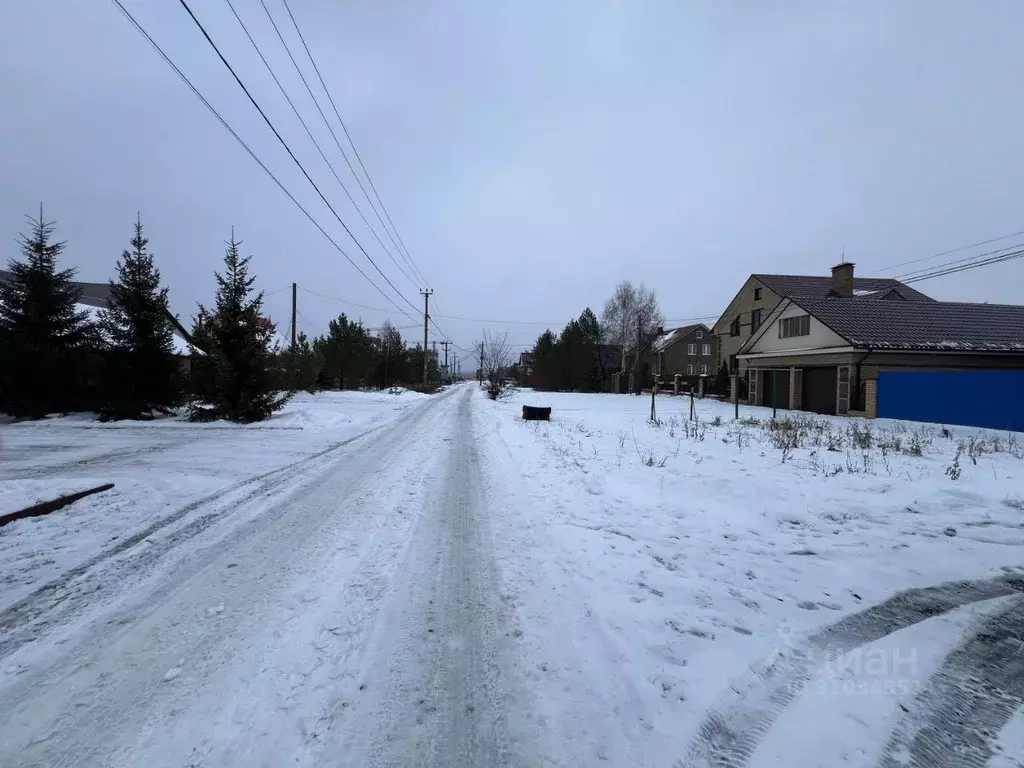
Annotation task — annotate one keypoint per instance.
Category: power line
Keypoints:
(355, 151)
(246, 147)
(291, 154)
(952, 250)
(913, 274)
(997, 259)
(344, 301)
(316, 144)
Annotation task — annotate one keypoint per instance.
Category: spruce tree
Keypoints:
(304, 363)
(235, 370)
(45, 340)
(141, 374)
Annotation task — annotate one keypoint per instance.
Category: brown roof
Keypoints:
(816, 285)
(936, 325)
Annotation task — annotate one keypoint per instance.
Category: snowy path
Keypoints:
(356, 624)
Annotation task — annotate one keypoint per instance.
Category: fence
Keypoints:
(991, 399)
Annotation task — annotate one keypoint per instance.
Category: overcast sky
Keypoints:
(531, 153)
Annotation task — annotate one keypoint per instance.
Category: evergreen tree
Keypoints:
(348, 353)
(45, 340)
(304, 364)
(545, 361)
(392, 357)
(235, 373)
(590, 330)
(141, 374)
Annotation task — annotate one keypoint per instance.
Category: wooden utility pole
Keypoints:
(426, 320)
(447, 372)
(295, 311)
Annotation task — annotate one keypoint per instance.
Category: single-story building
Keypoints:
(826, 354)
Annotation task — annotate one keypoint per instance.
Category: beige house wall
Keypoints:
(742, 305)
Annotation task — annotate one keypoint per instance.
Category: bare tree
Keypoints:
(495, 360)
(631, 317)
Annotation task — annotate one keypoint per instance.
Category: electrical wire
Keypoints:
(246, 147)
(998, 259)
(288, 149)
(316, 144)
(952, 250)
(355, 151)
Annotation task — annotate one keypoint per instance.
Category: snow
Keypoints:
(680, 555)
(379, 579)
(158, 468)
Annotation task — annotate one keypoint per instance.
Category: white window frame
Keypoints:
(704, 369)
(689, 369)
(700, 334)
(691, 349)
(705, 350)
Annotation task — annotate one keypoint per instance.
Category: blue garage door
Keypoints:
(992, 399)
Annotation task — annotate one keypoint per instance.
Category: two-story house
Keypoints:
(761, 294)
(690, 352)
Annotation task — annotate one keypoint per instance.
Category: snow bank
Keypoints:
(671, 557)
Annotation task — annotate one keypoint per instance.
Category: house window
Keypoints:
(755, 320)
(691, 349)
(794, 326)
(757, 294)
(689, 369)
(732, 362)
(700, 334)
(704, 370)
(734, 327)
(705, 349)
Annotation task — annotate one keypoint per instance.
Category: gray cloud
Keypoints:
(532, 153)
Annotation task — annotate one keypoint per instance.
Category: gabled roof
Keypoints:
(816, 285)
(671, 336)
(914, 325)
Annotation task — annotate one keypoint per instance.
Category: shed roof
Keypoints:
(817, 285)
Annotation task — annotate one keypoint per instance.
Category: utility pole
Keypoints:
(295, 311)
(636, 366)
(426, 320)
(447, 372)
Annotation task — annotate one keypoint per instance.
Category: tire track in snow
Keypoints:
(967, 702)
(53, 602)
(729, 734)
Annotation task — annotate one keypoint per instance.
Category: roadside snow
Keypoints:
(653, 564)
(160, 470)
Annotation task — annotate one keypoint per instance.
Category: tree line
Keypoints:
(588, 351)
(120, 360)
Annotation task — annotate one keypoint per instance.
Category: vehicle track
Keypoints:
(730, 734)
(967, 701)
(56, 601)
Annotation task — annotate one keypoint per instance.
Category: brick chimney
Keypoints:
(842, 279)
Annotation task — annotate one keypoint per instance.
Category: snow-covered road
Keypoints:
(358, 622)
(436, 582)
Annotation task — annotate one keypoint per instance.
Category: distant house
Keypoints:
(690, 352)
(832, 354)
(762, 293)
(96, 296)
(526, 369)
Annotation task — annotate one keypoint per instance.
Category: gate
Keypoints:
(991, 399)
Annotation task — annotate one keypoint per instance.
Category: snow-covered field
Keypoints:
(688, 562)
(163, 471)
